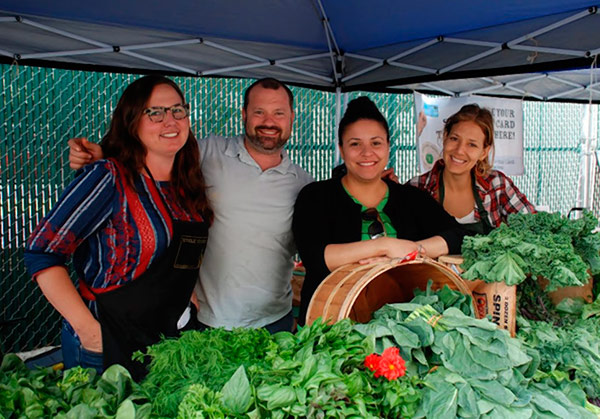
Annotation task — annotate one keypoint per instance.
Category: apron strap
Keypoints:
(162, 198)
(441, 189)
(483, 214)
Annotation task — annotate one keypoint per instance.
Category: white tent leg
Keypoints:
(589, 133)
(338, 117)
(588, 157)
(341, 101)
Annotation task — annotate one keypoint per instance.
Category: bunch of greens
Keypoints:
(444, 298)
(572, 348)
(457, 366)
(470, 367)
(323, 366)
(318, 372)
(409, 325)
(209, 358)
(534, 303)
(543, 244)
(484, 372)
(550, 385)
(78, 393)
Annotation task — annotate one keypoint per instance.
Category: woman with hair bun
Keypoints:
(463, 180)
(361, 217)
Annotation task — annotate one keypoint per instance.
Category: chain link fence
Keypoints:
(40, 109)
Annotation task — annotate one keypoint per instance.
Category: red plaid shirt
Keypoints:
(498, 193)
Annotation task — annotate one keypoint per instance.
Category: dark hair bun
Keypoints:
(361, 108)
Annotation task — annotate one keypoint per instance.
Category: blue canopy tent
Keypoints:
(341, 45)
(530, 50)
(538, 50)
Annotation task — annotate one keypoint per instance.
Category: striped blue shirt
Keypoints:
(112, 232)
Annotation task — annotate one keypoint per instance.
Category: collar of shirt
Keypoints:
(236, 148)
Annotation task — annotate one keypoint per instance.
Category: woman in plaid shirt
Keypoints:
(463, 180)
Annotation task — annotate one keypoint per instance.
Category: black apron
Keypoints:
(482, 226)
(140, 312)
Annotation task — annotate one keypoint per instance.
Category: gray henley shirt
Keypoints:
(246, 271)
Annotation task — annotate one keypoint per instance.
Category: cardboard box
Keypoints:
(496, 299)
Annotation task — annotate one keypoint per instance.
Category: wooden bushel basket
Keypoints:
(356, 291)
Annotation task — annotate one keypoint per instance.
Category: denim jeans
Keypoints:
(286, 323)
(74, 354)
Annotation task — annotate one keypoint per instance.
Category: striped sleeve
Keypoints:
(81, 210)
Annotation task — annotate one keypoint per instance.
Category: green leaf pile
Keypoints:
(572, 348)
(318, 372)
(471, 369)
(542, 245)
(457, 366)
(210, 357)
(78, 393)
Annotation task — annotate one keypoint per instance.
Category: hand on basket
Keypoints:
(376, 259)
(395, 249)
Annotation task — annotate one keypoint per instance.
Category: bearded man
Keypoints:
(252, 186)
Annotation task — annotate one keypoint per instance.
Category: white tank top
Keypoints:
(467, 219)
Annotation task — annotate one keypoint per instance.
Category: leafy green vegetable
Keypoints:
(593, 309)
(318, 372)
(236, 392)
(471, 368)
(200, 402)
(444, 298)
(542, 245)
(210, 358)
(78, 393)
(457, 366)
(573, 349)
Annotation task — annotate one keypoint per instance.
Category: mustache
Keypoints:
(267, 127)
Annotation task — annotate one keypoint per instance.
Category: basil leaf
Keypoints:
(237, 396)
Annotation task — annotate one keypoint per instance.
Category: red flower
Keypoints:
(391, 364)
(372, 361)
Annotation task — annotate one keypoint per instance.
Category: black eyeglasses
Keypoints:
(158, 113)
(376, 228)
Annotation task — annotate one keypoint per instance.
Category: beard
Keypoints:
(267, 145)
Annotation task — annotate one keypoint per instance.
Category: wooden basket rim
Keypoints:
(373, 270)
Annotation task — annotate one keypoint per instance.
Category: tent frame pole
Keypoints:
(338, 117)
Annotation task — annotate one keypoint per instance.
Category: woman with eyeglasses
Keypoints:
(135, 224)
(361, 217)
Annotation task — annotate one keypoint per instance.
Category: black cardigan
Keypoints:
(325, 214)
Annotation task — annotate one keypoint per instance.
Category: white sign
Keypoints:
(508, 129)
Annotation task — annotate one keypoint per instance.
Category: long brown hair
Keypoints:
(123, 144)
(484, 120)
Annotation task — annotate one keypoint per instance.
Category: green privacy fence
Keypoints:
(41, 108)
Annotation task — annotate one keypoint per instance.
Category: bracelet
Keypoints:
(420, 249)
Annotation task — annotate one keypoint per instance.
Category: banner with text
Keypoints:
(432, 112)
